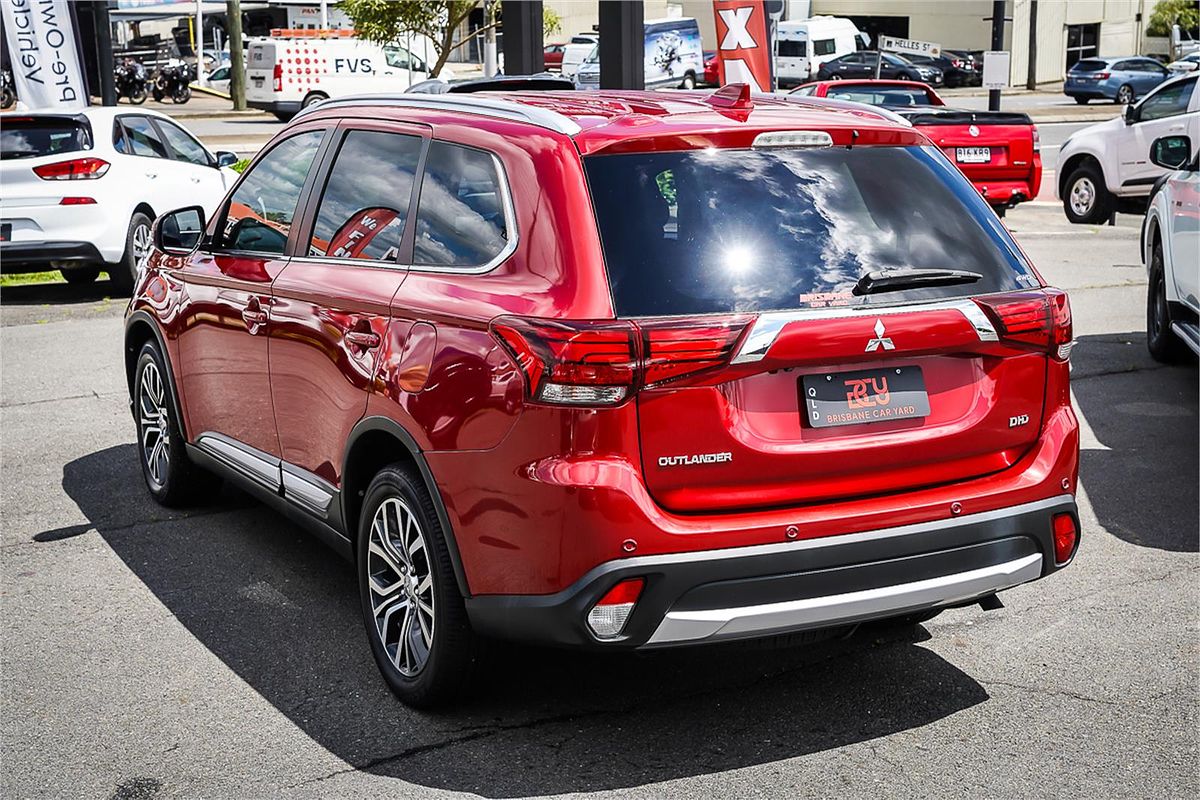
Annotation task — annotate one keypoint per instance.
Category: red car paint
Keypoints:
(552, 56)
(263, 350)
(1012, 175)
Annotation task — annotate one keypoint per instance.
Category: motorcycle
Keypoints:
(8, 91)
(130, 79)
(172, 81)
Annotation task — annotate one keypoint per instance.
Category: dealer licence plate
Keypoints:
(870, 395)
(973, 155)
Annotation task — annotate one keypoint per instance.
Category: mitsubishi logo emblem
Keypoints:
(880, 340)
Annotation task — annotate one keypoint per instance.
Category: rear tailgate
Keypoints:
(260, 72)
(986, 145)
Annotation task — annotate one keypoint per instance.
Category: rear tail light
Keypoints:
(605, 362)
(277, 77)
(79, 169)
(608, 617)
(77, 201)
(1066, 537)
(1037, 140)
(1102, 76)
(1041, 320)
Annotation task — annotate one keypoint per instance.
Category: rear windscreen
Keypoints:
(1088, 65)
(719, 230)
(880, 96)
(46, 136)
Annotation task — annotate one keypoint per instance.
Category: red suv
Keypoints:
(614, 370)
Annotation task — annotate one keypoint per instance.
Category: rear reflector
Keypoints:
(79, 169)
(1040, 320)
(1066, 536)
(604, 362)
(608, 617)
(77, 201)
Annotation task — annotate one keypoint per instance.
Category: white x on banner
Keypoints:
(44, 54)
(737, 37)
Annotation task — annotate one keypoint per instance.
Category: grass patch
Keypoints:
(54, 276)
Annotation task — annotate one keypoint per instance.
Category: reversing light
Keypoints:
(1066, 537)
(608, 617)
(793, 139)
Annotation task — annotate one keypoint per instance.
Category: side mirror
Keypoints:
(1171, 152)
(1130, 113)
(180, 231)
(226, 158)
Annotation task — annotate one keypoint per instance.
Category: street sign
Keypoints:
(995, 69)
(896, 45)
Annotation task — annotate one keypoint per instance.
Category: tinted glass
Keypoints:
(756, 230)
(141, 139)
(1125, 66)
(1167, 102)
(1089, 65)
(853, 58)
(261, 210)
(366, 199)
(183, 145)
(460, 218)
(29, 138)
(789, 48)
(824, 47)
(895, 96)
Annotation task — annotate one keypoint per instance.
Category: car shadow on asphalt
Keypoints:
(29, 294)
(282, 612)
(1142, 478)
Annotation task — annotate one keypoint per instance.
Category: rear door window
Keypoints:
(182, 145)
(31, 137)
(791, 48)
(717, 231)
(462, 218)
(365, 203)
(142, 139)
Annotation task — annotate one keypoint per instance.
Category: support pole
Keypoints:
(237, 60)
(622, 44)
(200, 36)
(1031, 73)
(523, 48)
(104, 53)
(997, 44)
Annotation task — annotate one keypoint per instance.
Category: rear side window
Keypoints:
(824, 47)
(365, 203)
(141, 138)
(790, 48)
(43, 136)
(461, 218)
(759, 230)
(261, 210)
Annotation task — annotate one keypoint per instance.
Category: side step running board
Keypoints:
(1190, 333)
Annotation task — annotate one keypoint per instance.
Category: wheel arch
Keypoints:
(144, 208)
(140, 328)
(1073, 163)
(375, 443)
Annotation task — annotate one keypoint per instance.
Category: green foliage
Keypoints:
(666, 186)
(551, 22)
(240, 166)
(1169, 12)
(386, 22)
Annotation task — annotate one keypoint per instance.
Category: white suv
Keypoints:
(1104, 167)
(80, 191)
(1171, 251)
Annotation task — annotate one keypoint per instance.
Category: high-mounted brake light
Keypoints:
(608, 617)
(277, 77)
(602, 363)
(793, 139)
(78, 169)
(1040, 319)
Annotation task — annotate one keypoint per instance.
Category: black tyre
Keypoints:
(283, 116)
(313, 99)
(138, 96)
(182, 94)
(1000, 211)
(835, 77)
(157, 94)
(1125, 95)
(81, 275)
(137, 247)
(689, 81)
(1083, 101)
(1086, 200)
(7, 99)
(171, 477)
(1161, 341)
(414, 615)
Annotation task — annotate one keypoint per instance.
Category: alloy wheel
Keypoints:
(1125, 95)
(401, 586)
(152, 418)
(1083, 196)
(141, 243)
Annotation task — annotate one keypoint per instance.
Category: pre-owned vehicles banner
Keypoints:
(743, 45)
(44, 54)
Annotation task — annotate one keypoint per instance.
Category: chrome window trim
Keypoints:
(510, 222)
(766, 327)
(464, 103)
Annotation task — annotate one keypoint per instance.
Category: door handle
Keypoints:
(151, 174)
(253, 315)
(367, 340)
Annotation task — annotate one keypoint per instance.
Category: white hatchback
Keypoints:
(81, 190)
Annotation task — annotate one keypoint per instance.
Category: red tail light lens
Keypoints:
(77, 201)
(1066, 536)
(277, 77)
(79, 169)
(604, 362)
(1041, 320)
(1102, 76)
(1037, 140)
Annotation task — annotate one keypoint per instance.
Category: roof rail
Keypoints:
(466, 103)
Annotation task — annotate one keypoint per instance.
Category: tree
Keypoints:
(1170, 12)
(387, 22)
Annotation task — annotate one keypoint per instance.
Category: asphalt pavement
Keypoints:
(219, 652)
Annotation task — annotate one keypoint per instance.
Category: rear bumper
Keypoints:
(19, 257)
(275, 106)
(771, 589)
(1006, 193)
(1094, 92)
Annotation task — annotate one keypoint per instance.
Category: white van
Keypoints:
(286, 73)
(674, 56)
(576, 51)
(803, 46)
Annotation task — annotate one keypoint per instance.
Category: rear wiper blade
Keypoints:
(894, 280)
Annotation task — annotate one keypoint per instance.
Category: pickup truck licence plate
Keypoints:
(973, 155)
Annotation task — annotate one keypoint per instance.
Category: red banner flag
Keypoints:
(743, 45)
